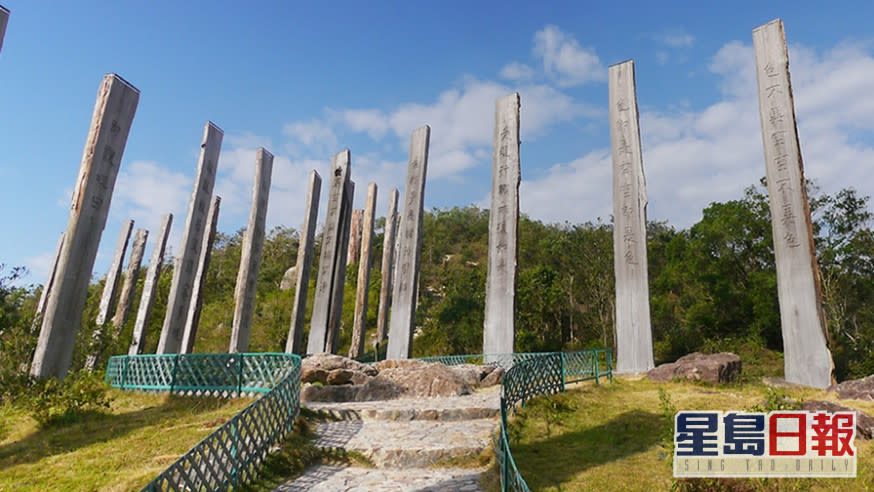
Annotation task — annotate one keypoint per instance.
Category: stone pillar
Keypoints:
(633, 330)
(363, 286)
(150, 284)
(403, 308)
(250, 261)
(806, 354)
(293, 344)
(388, 254)
(126, 297)
(110, 124)
(499, 333)
(354, 236)
(4, 19)
(192, 320)
(110, 288)
(336, 319)
(47, 288)
(331, 243)
(192, 239)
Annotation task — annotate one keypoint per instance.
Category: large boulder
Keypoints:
(426, 381)
(864, 422)
(373, 390)
(330, 362)
(493, 378)
(713, 368)
(856, 389)
(289, 280)
(472, 374)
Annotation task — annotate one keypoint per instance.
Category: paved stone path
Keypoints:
(406, 440)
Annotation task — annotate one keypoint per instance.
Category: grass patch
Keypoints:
(618, 436)
(120, 448)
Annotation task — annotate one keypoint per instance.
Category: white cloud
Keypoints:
(313, 134)
(517, 71)
(676, 39)
(371, 121)
(565, 60)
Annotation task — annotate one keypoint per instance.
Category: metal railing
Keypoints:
(231, 454)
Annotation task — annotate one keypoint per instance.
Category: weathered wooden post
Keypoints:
(335, 320)
(499, 334)
(4, 19)
(110, 288)
(192, 239)
(360, 321)
(807, 358)
(403, 308)
(387, 272)
(250, 261)
(192, 319)
(47, 288)
(354, 236)
(331, 244)
(110, 125)
(150, 284)
(293, 344)
(125, 299)
(633, 330)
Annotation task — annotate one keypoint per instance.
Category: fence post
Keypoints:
(561, 355)
(124, 372)
(240, 376)
(174, 373)
(610, 363)
(597, 361)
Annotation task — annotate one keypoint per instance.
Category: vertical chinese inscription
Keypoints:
(388, 255)
(293, 344)
(807, 358)
(331, 242)
(500, 309)
(110, 125)
(150, 285)
(250, 259)
(403, 308)
(182, 285)
(633, 329)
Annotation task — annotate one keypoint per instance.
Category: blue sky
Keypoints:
(307, 79)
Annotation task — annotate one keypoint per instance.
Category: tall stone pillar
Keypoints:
(294, 343)
(403, 308)
(633, 330)
(110, 125)
(335, 320)
(150, 284)
(331, 244)
(354, 236)
(192, 239)
(4, 19)
(499, 333)
(125, 299)
(388, 254)
(47, 288)
(192, 320)
(110, 288)
(807, 358)
(250, 261)
(363, 286)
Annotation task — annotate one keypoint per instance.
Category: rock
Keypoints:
(329, 362)
(472, 373)
(856, 389)
(864, 422)
(401, 364)
(340, 376)
(713, 368)
(346, 392)
(378, 389)
(289, 280)
(428, 380)
(493, 378)
(313, 375)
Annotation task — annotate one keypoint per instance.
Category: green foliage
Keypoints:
(54, 402)
(669, 410)
(776, 399)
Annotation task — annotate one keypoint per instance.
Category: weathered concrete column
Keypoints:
(250, 261)
(192, 319)
(110, 288)
(110, 124)
(47, 288)
(499, 332)
(4, 19)
(633, 329)
(294, 343)
(363, 286)
(388, 254)
(192, 239)
(355, 228)
(807, 358)
(403, 307)
(125, 299)
(150, 284)
(331, 244)
(336, 319)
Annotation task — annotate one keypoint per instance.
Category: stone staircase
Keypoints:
(413, 444)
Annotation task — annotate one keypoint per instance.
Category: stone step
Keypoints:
(324, 478)
(483, 405)
(412, 444)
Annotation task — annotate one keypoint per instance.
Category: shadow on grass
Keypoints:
(553, 461)
(90, 427)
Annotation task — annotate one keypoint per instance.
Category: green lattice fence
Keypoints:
(229, 456)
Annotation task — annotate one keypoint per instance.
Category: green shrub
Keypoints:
(55, 402)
